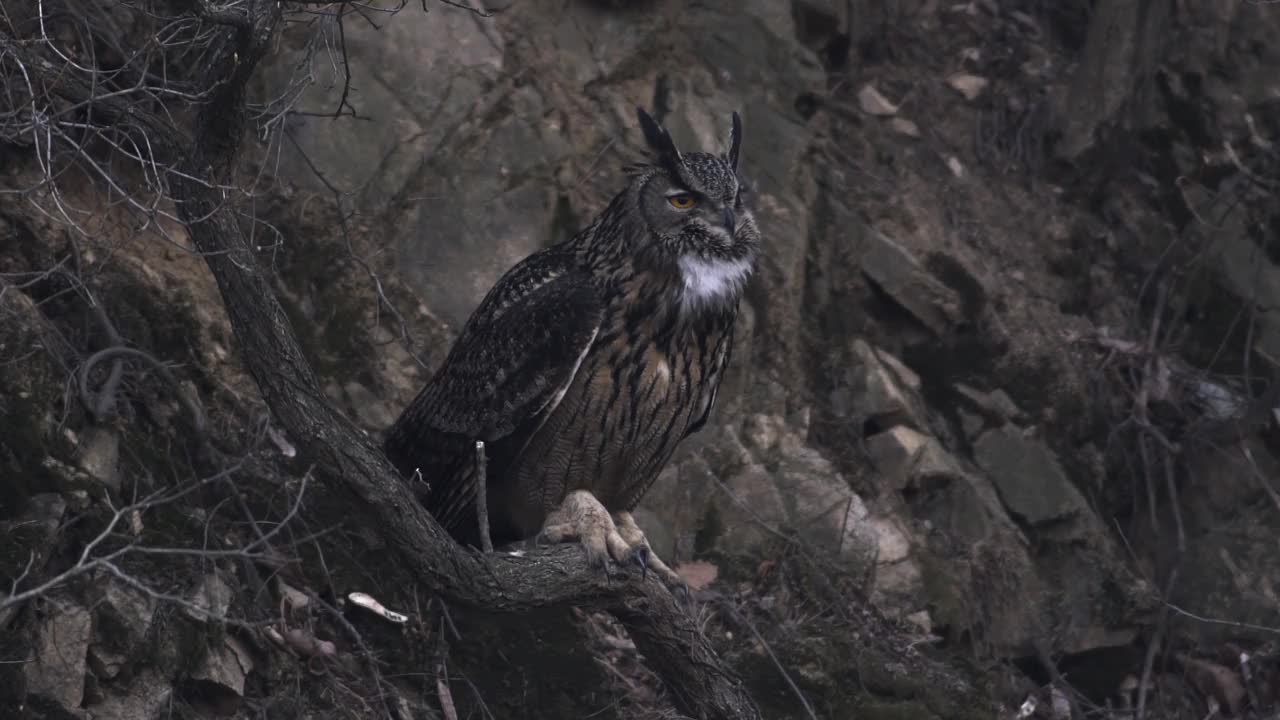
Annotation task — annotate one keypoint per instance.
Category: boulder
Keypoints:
(902, 277)
(1031, 482)
(123, 617)
(882, 391)
(146, 696)
(211, 599)
(98, 455)
(905, 458)
(55, 676)
(223, 671)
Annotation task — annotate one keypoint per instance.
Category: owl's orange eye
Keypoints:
(683, 201)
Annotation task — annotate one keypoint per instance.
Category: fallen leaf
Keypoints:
(903, 126)
(293, 597)
(367, 602)
(873, 103)
(698, 573)
(763, 570)
(970, 86)
(1215, 681)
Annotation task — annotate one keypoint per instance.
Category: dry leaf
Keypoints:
(873, 103)
(282, 444)
(367, 602)
(764, 568)
(698, 574)
(307, 645)
(903, 126)
(970, 86)
(1215, 681)
(292, 597)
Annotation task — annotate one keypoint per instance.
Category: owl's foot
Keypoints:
(582, 517)
(634, 537)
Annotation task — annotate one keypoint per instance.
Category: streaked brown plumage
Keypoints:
(588, 362)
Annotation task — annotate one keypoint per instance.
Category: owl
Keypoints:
(588, 362)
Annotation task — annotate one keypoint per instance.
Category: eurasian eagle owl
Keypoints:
(589, 361)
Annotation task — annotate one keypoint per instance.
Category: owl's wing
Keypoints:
(520, 349)
(515, 356)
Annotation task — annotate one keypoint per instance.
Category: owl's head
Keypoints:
(694, 204)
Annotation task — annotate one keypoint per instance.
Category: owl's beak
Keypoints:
(730, 222)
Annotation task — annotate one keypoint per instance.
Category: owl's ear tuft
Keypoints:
(658, 138)
(735, 140)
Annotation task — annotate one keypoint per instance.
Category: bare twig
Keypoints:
(482, 498)
(804, 701)
(192, 405)
(95, 557)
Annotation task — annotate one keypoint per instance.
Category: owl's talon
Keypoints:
(629, 530)
(622, 545)
(640, 555)
(681, 591)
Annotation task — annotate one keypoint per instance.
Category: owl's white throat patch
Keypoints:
(711, 282)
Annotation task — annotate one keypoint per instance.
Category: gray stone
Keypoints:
(821, 506)
(901, 276)
(749, 506)
(414, 81)
(898, 585)
(894, 452)
(902, 374)
(885, 390)
(225, 667)
(1031, 482)
(971, 423)
(56, 672)
(481, 208)
(660, 534)
(146, 696)
(674, 509)
(211, 598)
(122, 618)
(762, 432)
(893, 545)
(907, 458)
(99, 455)
(996, 404)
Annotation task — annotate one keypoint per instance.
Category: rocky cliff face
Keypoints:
(989, 374)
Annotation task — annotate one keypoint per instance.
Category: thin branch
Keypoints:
(804, 701)
(192, 405)
(482, 498)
